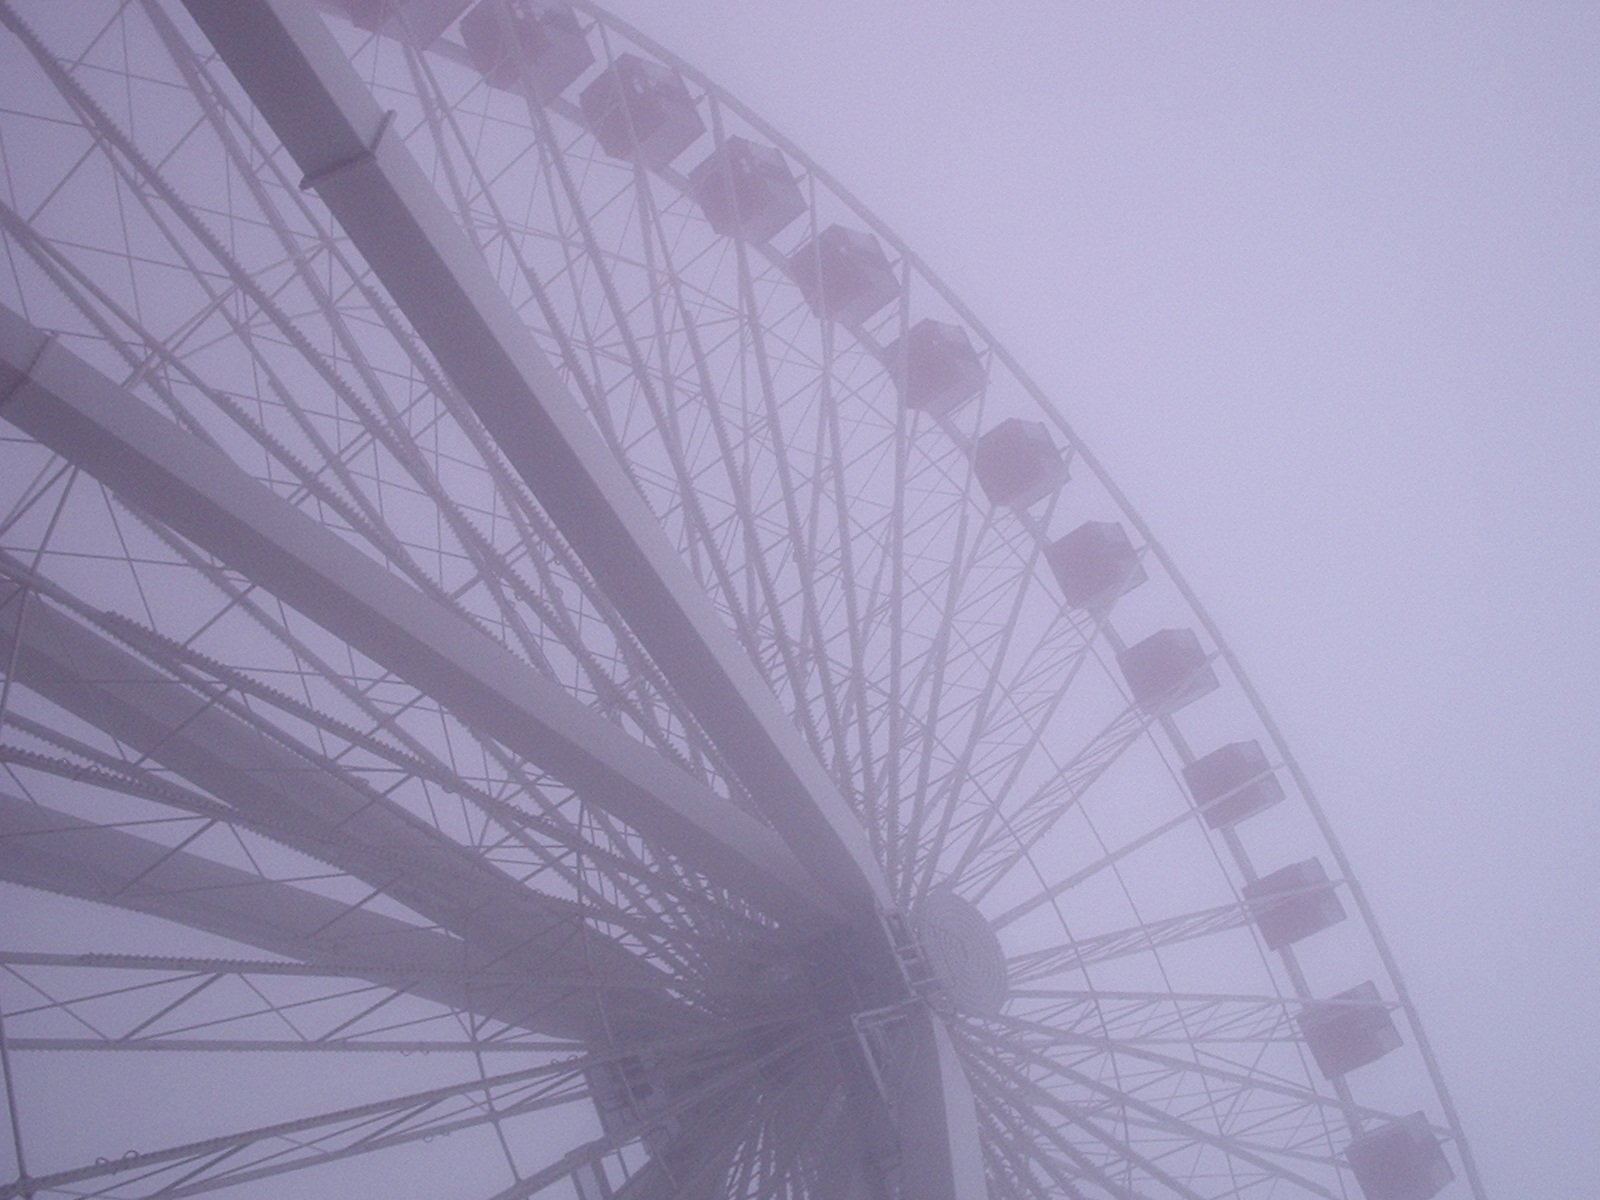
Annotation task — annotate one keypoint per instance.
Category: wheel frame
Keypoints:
(1034, 529)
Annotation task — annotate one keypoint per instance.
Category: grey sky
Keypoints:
(1319, 282)
(1319, 285)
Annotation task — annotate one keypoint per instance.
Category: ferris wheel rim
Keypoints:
(1081, 448)
(1205, 620)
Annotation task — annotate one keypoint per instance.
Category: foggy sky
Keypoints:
(1319, 284)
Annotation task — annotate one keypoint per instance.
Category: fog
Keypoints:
(1320, 287)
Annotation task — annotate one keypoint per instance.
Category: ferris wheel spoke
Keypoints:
(702, 542)
(387, 427)
(507, 845)
(306, 1142)
(790, 543)
(838, 1141)
(398, 1047)
(197, 730)
(572, 235)
(147, 357)
(1070, 1056)
(1008, 703)
(1178, 1018)
(755, 334)
(548, 837)
(353, 1007)
(649, 936)
(241, 1010)
(662, 280)
(159, 199)
(231, 516)
(71, 280)
(43, 848)
(1022, 689)
(997, 839)
(317, 811)
(895, 608)
(471, 329)
(1108, 859)
(702, 545)
(1099, 1128)
(327, 1011)
(1160, 1144)
(968, 770)
(1248, 1163)
(792, 1125)
(932, 675)
(708, 1128)
(1010, 1169)
(1029, 1137)
(858, 703)
(1104, 947)
(609, 856)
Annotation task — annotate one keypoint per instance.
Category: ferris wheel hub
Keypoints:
(962, 951)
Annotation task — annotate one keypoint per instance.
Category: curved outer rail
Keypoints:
(1049, 412)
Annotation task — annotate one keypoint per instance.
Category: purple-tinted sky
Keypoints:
(1319, 283)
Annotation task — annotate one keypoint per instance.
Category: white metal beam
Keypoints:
(168, 473)
(324, 115)
(327, 119)
(53, 851)
(325, 816)
(936, 1116)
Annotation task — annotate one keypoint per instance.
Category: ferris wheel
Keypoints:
(546, 654)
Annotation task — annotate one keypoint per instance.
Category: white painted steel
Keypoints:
(490, 606)
(161, 470)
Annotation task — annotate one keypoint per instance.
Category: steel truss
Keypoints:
(487, 647)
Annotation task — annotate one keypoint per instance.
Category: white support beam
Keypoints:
(325, 117)
(53, 851)
(321, 814)
(937, 1117)
(164, 471)
(327, 120)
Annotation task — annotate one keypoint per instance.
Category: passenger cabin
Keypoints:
(1401, 1161)
(1232, 783)
(746, 191)
(416, 22)
(1018, 463)
(1094, 564)
(1167, 671)
(935, 367)
(537, 50)
(641, 109)
(1349, 1030)
(1293, 903)
(844, 275)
